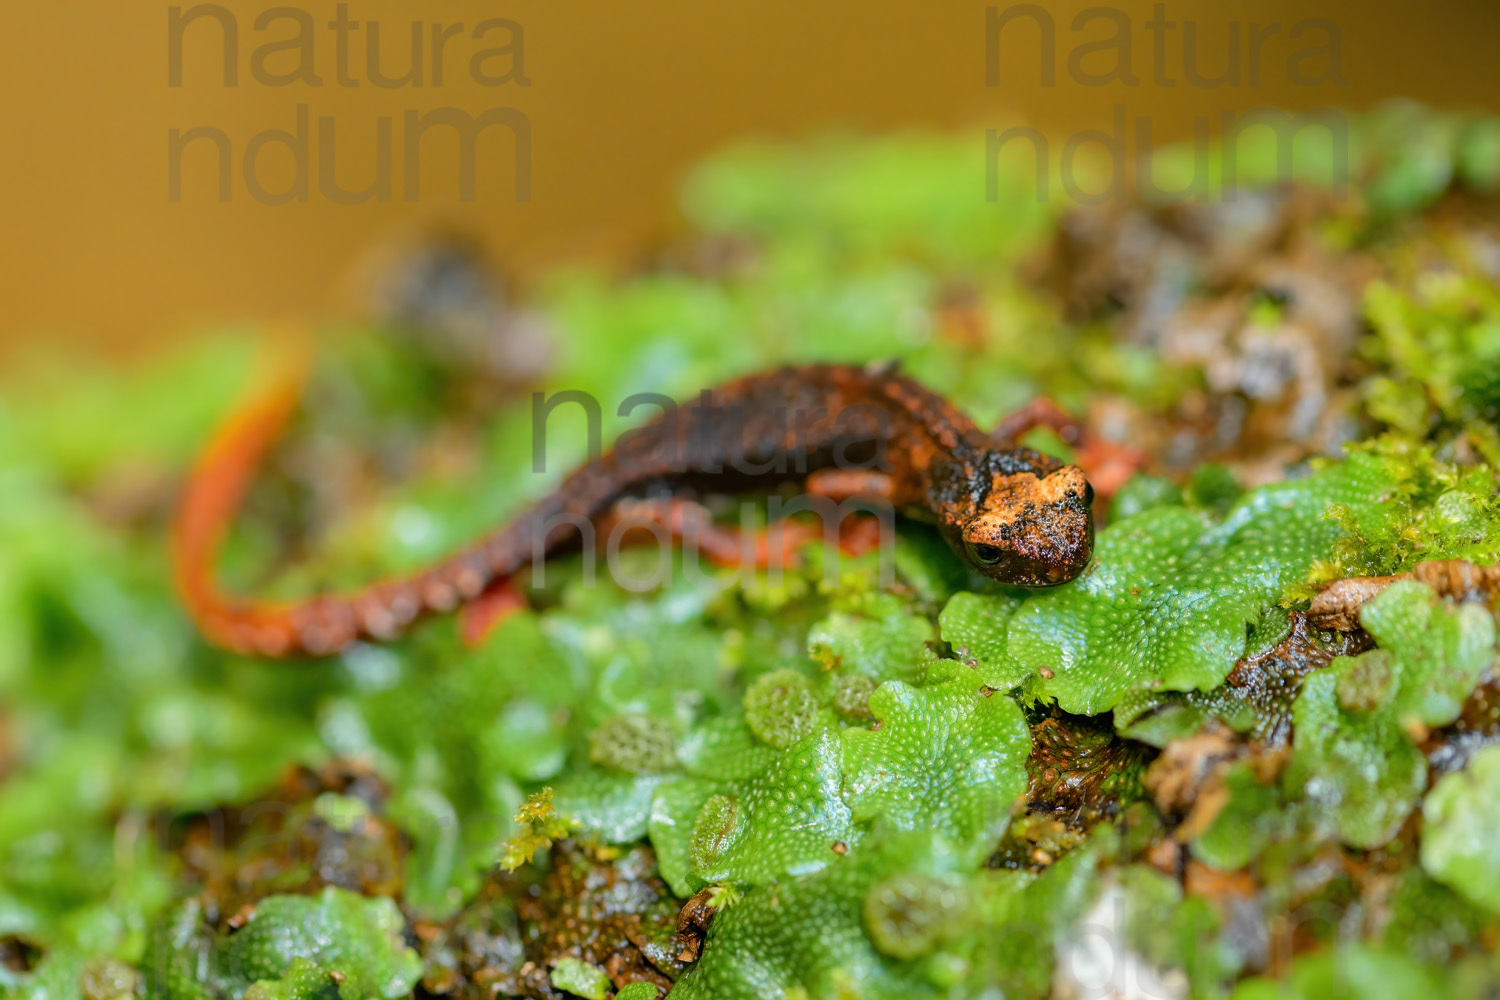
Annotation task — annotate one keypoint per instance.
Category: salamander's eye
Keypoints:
(984, 555)
(1088, 495)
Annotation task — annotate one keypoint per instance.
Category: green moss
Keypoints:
(1417, 162)
(881, 639)
(747, 815)
(1354, 971)
(976, 626)
(1172, 592)
(1356, 721)
(1254, 816)
(851, 695)
(1141, 493)
(1214, 488)
(716, 826)
(900, 193)
(1437, 343)
(640, 744)
(804, 931)
(1462, 820)
(902, 917)
(1015, 944)
(608, 805)
(1401, 156)
(303, 980)
(1177, 935)
(949, 757)
(908, 915)
(581, 979)
(793, 815)
(108, 979)
(1435, 510)
(359, 940)
(1430, 921)
(336, 944)
(1479, 155)
(780, 707)
(637, 991)
(540, 824)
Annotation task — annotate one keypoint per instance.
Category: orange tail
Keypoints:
(209, 503)
(317, 625)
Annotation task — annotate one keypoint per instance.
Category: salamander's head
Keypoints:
(1031, 527)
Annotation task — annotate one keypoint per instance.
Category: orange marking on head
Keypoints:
(1032, 531)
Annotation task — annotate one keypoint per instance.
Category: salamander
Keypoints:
(1014, 514)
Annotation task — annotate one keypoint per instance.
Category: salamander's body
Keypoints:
(1016, 515)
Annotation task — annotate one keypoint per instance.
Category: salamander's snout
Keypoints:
(1033, 532)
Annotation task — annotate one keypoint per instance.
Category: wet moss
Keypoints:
(780, 707)
(900, 784)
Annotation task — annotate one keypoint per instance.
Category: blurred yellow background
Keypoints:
(620, 98)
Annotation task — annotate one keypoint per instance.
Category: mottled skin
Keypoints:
(1014, 514)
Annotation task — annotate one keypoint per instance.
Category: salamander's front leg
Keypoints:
(655, 521)
(1107, 465)
(689, 524)
(860, 532)
(1040, 412)
(840, 485)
